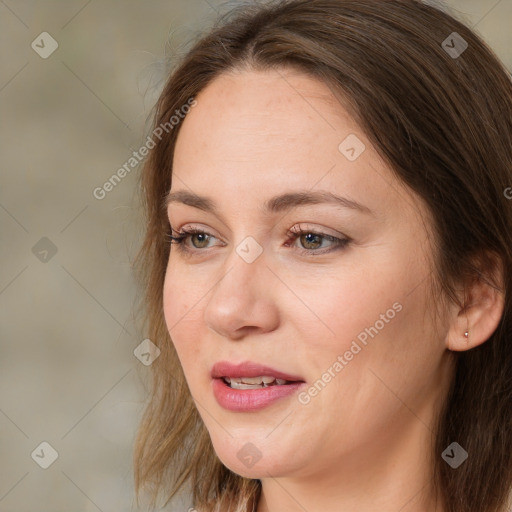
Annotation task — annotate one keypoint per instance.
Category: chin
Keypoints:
(247, 460)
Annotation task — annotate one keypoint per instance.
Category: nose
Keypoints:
(242, 301)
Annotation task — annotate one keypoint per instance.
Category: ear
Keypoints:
(483, 303)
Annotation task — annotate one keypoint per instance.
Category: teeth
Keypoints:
(253, 382)
(240, 385)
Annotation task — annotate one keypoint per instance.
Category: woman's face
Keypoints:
(347, 319)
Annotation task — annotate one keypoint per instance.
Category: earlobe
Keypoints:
(475, 323)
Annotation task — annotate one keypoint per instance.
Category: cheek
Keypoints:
(342, 306)
(373, 315)
(386, 345)
(182, 316)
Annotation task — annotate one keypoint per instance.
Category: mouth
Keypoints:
(249, 387)
(256, 382)
(253, 375)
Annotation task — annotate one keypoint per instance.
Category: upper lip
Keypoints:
(249, 369)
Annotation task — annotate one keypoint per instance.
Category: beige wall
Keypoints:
(68, 374)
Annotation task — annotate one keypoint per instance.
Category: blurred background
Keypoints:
(77, 81)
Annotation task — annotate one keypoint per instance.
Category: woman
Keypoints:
(328, 265)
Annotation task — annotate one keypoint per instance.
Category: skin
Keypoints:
(363, 442)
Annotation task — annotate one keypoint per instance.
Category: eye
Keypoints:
(192, 233)
(312, 240)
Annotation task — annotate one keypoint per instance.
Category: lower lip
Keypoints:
(247, 400)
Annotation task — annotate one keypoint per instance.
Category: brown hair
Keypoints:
(444, 124)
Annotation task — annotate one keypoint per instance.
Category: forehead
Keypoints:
(255, 134)
(255, 121)
(268, 103)
(267, 90)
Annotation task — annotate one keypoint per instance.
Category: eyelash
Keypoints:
(339, 243)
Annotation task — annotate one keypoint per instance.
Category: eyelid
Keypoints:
(296, 229)
(193, 227)
(305, 227)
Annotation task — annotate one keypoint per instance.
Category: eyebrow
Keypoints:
(275, 204)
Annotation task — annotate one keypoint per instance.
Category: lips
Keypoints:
(235, 392)
(249, 369)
